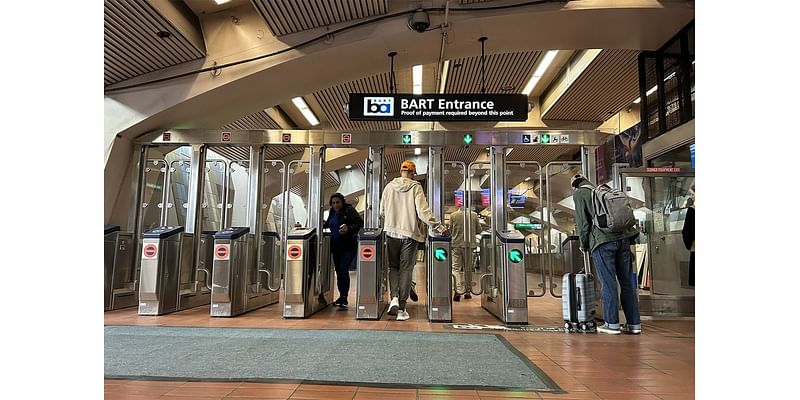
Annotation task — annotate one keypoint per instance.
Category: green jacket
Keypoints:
(590, 235)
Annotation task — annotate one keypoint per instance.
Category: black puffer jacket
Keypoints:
(349, 216)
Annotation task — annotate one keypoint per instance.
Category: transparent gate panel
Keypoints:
(237, 203)
(273, 188)
(178, 200)
(213, 193)
(453, 198)
(558, 215)
(524, 205)
(478, 199)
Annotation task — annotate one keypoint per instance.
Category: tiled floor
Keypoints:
(659, 364)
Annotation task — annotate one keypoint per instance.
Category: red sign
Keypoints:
(295, 252)
(221, 252)
(166, 136)
(367, 252)
(226, 136)
(150, 251)
(346, 138)
(286, 138)
(663, 169)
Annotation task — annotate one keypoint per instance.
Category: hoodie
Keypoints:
(402, 203)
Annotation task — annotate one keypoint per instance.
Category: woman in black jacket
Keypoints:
(344, 223)
(688, 234)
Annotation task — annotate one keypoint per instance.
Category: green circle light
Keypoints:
(440, 254)
(515, 255)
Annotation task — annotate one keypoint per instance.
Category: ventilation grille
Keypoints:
(289, 16)
(131, 46)
(333, 99)
(259, 120)
(509, 71)
(610, 83)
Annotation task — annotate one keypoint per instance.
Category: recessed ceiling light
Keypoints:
(417, 74)
(307, 113)
(348, 166)
(540, 70)
(221, 1)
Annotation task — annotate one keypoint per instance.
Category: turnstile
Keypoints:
(308, 286)
(119, 282)
(236, 287)
(163, 251)
(371, 275)
(506, 297)
(440, 279)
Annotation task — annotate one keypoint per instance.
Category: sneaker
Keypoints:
(413, 295)
(631, 329)
(457, 297)
(342, 302)
(393, 306)
(337, 302)
(402, 315)
(605, 329)
(467, 296)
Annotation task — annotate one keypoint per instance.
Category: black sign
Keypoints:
(438, 107)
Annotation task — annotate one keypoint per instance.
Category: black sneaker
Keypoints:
(457, 297)
(342, 302)
(338, 302)
(467, 296)
(413, 295)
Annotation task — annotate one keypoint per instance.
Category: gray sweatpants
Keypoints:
(401, 256)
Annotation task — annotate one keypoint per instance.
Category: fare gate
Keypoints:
(119, 283)
(371, 275)
(308, 286)
(165, 252)
(440, 279)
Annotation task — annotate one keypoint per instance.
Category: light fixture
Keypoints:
(417, 74)
(348, 166)
(303, 107)
(221, 1)
(417, 151)
(527, 179)
(444, 76)
(540, 70)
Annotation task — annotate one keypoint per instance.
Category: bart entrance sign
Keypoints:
(438, 107)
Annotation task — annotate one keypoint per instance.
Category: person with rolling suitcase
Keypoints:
(577, 299)
(606, 226)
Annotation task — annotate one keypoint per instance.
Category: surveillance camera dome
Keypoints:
(419, 21)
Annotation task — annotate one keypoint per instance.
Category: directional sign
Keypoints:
(347, 138)
(222, 252)
(440, 254)
(564, 139)
(367, 252)
(295, 252)
(544, 138)
(150, 251)
(286, 138)
(515, 255)
(226, 136)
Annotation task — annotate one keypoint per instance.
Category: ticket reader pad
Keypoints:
(119, 282)
(507, 298)
(158, 276)
(308, 286)
(232, 256)
(371, 275)
(440, 281)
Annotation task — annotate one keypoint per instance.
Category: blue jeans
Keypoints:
(613, 262)
(343, 256)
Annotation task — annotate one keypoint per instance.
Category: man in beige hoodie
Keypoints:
(402, 204)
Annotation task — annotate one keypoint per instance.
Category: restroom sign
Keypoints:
(222, 252)
(347, 138)
(367, 252)
(295, 252)
(150, 251)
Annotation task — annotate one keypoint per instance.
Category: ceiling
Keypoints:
(143, 38)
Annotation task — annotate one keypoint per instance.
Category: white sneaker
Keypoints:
(402, 315)
(605, 329)
(393, 306)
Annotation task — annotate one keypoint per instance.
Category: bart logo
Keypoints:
(378, 106)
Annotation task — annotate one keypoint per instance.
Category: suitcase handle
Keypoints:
(578, 298)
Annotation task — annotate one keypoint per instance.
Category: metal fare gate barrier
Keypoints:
(163, 251)
(231, 258)
(308, 286)
(440, 279)
(371, 275)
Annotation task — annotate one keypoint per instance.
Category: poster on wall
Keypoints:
(604, 155)
(628, 147)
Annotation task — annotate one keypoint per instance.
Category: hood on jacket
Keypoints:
(401, 184)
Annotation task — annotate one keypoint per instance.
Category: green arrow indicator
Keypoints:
(406, 138)
(515, 255)
(468, 139)
(544, 138)
(440, 254)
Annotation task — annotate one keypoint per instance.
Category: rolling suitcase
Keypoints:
(577, 299)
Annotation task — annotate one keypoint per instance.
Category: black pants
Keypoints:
(342, 258)
(691, 269)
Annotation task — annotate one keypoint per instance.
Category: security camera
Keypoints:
(419, 21)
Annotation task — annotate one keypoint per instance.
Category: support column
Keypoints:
(435, 176)
(373, 186)
(315, 171)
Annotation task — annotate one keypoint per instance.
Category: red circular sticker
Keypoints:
(221, 251)
(295, 252)
(367, 253)
(150, 250)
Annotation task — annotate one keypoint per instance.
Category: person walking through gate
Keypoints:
(344, 223)
(402, 204)
(612, 257)
(459, 242)
(687, 233)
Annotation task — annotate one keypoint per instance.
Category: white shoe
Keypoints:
(402, 315)
(394, 305)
